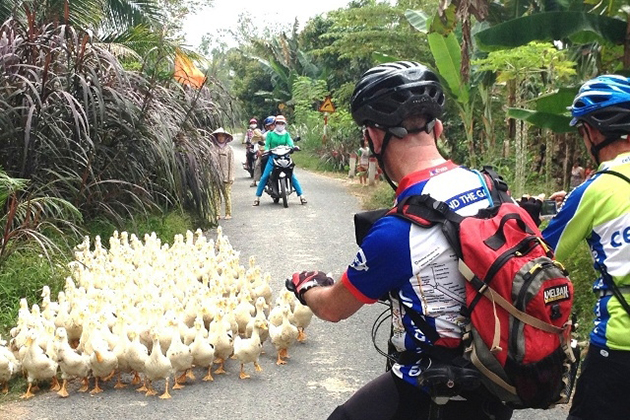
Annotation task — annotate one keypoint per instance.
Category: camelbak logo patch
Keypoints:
(359, 262)
(556, 293)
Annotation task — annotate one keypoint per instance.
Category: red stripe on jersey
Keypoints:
(419, 176)
(355, 292)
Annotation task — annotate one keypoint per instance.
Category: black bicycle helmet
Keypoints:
(391, 92)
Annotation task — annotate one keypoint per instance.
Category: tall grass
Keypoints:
(110, 141)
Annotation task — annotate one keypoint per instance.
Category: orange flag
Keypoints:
(187, 73)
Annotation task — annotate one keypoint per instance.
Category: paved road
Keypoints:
(324, 371)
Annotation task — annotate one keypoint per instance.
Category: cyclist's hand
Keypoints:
(299, 283)
(532, 206)
(558, 196)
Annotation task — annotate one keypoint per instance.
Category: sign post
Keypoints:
(326, 107)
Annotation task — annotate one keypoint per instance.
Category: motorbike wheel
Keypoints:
(283, 192)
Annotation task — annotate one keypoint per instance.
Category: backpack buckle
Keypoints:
(441, 207)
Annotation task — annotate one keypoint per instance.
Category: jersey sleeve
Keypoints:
(383, 261)
(573, 223)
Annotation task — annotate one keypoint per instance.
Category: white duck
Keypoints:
(9, 366)
(283, 336)
(71, 363)
(180, 356)
(201, 349)
(243, 312)
(37, 365)
(157, 366)
(261, 305)
(103, 362)
(301, 318)
(137, 355)
(221, 338)
(247, 350)
(121, 350)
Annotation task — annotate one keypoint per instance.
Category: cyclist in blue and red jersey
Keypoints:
(400, 104)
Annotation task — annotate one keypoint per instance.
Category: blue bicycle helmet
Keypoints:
(269, 120)
(604, 104)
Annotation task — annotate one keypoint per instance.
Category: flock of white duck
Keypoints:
(153, 311)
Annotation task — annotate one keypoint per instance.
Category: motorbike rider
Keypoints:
(598, 211)
(278, 137)
(269, 124)
(254, 136)
(252, 131)
(400, 103)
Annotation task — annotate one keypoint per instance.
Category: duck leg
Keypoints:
(136, 378)
(257, 367)
(110, 376)
(166, 395)
(285, 353)
(301, 334)
(5, 387)
(28, 393)
(63, 392)
(86, 384)
(143, 388)
(243, 375)
(119, 383)
(150, 390)
(181, 379)
(208, 377)
(177, 384)
(190, 374)
(97, 389)
(279, 360)
(54, 384)
(220, 369)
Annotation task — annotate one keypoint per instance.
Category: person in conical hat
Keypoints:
(223, 156)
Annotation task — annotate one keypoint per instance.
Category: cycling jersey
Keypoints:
(598, 210)
(416, 266)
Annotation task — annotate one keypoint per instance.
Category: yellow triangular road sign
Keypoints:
(327, 105)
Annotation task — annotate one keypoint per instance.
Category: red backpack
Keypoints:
(518, 298)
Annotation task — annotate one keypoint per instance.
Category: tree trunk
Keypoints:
(520, 145)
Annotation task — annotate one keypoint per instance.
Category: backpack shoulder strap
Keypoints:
(425, 211)
(499, 191)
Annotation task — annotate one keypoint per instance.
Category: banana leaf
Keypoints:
(554, 122)
(549, 26)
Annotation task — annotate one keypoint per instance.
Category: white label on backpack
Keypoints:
(556, 293)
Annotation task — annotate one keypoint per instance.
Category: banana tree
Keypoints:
(521, 70)
(448, 60)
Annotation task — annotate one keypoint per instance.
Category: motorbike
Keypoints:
(279, 185)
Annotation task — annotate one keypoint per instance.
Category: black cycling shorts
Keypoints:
(391, 398)
(603, 387)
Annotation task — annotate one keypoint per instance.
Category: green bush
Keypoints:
(23, 275)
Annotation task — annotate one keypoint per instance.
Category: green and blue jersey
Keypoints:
(598, 210)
